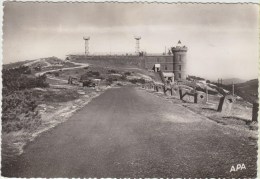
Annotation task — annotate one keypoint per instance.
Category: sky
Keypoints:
(222, 39)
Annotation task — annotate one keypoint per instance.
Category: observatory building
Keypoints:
(171, 65)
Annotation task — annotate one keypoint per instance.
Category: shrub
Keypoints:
(109, 81)
(55, 73)
(142, 81)
(127, 73)
(190, 77)
(20, 79)
(38, 68)
(41, 81)
(89, 74)
(95, 73)
(19, 111)
(112, 71)
(123, 77)
(84, 77)
(134, 81)
(88, 83)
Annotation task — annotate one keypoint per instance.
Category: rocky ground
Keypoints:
(240, 117)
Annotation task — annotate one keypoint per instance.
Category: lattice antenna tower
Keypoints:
(137, 46)
(86, 38)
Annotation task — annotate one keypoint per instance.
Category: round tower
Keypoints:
(179, 61)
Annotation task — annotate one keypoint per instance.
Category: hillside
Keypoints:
(42, 62)
(16, 64)
(229, 81)
(247, 90)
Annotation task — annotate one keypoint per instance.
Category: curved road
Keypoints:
(80, 65)
(127, 132)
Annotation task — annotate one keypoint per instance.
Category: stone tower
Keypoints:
(179, 62)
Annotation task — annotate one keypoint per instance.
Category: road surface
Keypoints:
(127, 132)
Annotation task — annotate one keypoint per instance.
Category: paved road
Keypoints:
(130, 133)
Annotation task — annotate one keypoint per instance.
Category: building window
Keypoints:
(165, 67)
(179, 75)
(180, 67)
(180, 58)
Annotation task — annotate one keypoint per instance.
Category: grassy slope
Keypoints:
(247, 90)
(34, 63)
(15, 64)
(232, 80)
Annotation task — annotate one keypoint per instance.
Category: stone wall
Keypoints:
(146, 62)
(165, 61)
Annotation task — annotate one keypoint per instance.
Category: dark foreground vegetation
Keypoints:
(18, 101)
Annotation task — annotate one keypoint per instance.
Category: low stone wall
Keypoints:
(225, 105)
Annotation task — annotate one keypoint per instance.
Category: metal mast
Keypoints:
(137, 46)
(86, 45)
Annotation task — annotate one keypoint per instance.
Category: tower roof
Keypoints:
(179, 47)
(179, 44)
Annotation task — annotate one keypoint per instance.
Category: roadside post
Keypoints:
(180, 93)
(207, 94)
(233, 88)
(164, 89)
(196, 97)
(226, 104)
(255, 111)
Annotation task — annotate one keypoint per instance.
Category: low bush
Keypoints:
(127, 73)
(94, 73)
(89, 83)
(19, 111)
(38, 68)
(109, 81)
(123, 78)
(112, 71)
(20, 79)
(134, 81)
(56, 74)
(119, 84)
(89, 74)
(18, 102)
